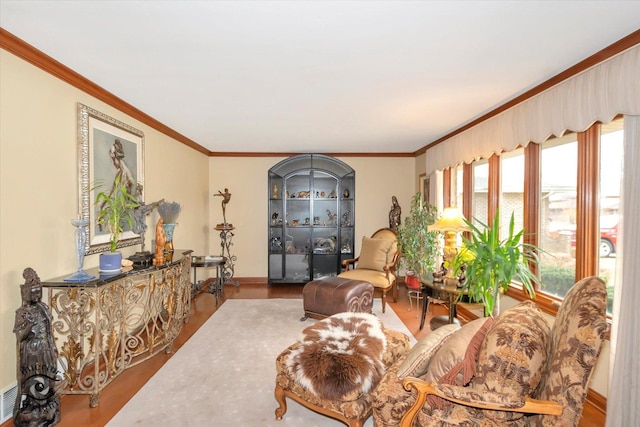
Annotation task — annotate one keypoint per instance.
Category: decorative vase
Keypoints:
(110, 262)
(80, 235)
(168, 231)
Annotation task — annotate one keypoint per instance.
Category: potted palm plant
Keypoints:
(418, 247)
(493, 263)
(115, 210)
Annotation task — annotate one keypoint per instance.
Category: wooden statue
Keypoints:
(37, 403)
(161, 239)
(395, 214)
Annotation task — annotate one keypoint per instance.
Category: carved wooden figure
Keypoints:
(37, 403)
(161, 239)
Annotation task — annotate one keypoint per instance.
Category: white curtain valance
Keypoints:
(598, 94)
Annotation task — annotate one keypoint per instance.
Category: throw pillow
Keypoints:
(513, 354)
(340, 357)
(374, 253)
(455, 362)
(453, 352)
(416, 362)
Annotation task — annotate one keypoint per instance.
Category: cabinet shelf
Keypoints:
(323, 235)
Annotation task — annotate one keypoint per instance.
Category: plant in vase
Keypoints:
(115, 210)
(493, 263)
(169, 212)
(418, 247)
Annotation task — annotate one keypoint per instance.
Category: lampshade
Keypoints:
(450, 221)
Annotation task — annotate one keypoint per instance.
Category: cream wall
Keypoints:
(377, 180)
(38, 185)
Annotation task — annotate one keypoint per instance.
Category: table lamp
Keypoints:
(450, 223)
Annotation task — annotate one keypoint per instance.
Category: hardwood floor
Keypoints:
(75, 408)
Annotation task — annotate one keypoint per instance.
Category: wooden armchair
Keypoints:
(576, 338)
(377, 263)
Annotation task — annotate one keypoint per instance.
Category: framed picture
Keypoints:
(107, 148)
(425, 187)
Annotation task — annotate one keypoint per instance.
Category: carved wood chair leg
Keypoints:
(280, 398)
(355, 423)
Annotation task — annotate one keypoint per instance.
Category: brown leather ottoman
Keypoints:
(330, 295)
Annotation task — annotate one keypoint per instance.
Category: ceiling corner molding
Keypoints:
(275, 154)
(28, 53)
(608, 52)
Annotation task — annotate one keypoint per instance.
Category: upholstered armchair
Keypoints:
(335, 364)
(513, 370)
(377, 263)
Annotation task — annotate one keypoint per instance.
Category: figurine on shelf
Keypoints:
(274, 192)
(36, 401)
(333, 217)
(161, 239)
(226, 197)
(345, 219)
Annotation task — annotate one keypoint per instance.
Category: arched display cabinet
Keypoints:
(311, 217)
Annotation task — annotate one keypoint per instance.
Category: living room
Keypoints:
(38, 107)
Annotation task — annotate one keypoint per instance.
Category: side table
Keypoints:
(448, 293)
(213, 286)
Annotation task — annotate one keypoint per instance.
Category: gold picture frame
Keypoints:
(106, 147)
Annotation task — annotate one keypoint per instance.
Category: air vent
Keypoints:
(8, 402)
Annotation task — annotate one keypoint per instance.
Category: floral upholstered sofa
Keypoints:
(514, 370)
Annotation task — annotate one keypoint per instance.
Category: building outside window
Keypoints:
(480, 192)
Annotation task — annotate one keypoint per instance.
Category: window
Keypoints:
(457, 187)
(558, 175)
(480, 192)
(611, 157)
(512, 190)
(572, 213)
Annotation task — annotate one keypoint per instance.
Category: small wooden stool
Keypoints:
(330, 295)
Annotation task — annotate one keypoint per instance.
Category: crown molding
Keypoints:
(25, 51)
(618, 47)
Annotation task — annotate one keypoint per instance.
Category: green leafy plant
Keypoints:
(495, 263)
(418, 247)
(115, 209)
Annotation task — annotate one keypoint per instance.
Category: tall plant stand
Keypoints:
(226, 241)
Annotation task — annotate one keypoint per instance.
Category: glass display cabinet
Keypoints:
(311, 218)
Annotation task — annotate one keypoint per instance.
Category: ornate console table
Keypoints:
(103, 326)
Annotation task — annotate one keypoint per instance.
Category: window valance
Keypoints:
(597, 94)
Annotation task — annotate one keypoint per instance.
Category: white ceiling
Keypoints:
(318, 76)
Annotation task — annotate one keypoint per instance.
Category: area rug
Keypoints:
(225, 374)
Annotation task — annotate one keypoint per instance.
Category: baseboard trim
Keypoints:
(597, 402)
(251, 280)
